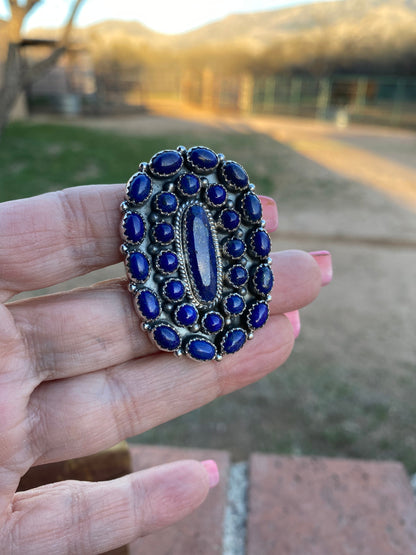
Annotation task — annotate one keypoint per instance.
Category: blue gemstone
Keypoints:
(202, 158)
(167, 203)
(200, 349)
(166, 337)
(260, 243)
(238, 275)
(258, 315)
(186, 315)
(167, 261)
(213, 322)
(188, 184)
(163, 232)
(235, 175)
(200, 252)
(230, 219)
(139, 187)
(252, 208)
(134, 228)
(233, 340)
(216, 194)
(166, 163)
(139, 266)
(174, 290)
(148, 304)
(263, 280)
(234, 248)
(234, 304)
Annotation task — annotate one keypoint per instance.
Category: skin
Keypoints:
(77, 375)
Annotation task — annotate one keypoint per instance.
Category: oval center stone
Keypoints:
(200, 253)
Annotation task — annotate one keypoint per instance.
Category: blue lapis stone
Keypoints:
(213, 322)
(200, 252)
(200, 349)
(234, 304)
(186, 315)
(258, 315)
(174, 290)
(263, 280)
(230, 219)
(167, 261)
(163, 233)
(202, 158)
(167, 203)
(134, 228)
(251, 206)
(166, 163)
(188, 184)
(260, 243)
(234, 248)
(139, 188)
(148, 305)
(216, 195)
(237, 275)
(166, 337)
(139, 266)
(235, 176)
(233, 340)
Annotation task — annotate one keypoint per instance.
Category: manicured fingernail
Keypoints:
(270, 212)
(294, 319)
(213, 473)
(324, 260)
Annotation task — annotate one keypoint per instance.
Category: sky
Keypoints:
(164, 16)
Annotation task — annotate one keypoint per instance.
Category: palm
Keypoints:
(77, 375)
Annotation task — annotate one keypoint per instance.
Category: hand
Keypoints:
(77, 375)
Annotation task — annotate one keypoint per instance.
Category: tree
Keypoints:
(17, 75)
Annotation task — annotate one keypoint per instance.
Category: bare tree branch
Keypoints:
(30, 4)
(34, 72)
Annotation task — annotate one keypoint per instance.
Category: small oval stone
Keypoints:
(260, 243)
(188, 184)
(213, 322)
(216, 195)
(229, 219)
(233, 340)
(251, 208)
(234, 304)
(163, 233)
(167, 262)
(147, 304)
(201, 349)
(237, 276)
(263, 280)
(166, 203)
(202, 158)
(174, 290)
(234, 248)
(139, 266)
(258, 315)
(138, 190)
(166, 163)
(186, 315)
(166, 337)
(134, 228)
(235, 176)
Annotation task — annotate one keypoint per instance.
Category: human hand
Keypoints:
(77, 375)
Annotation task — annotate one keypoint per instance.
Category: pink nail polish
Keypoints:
(324, 260)
(294, 319)
(213, 473)
(269, 206)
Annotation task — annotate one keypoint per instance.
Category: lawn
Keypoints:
(348, 389)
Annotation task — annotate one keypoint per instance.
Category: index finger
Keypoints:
(56, 236)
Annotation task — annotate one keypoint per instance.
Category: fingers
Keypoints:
(84, 414)
(94, 328)
(74, 231)
(86, 517)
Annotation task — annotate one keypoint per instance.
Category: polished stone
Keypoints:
(186, 315)
(166, 337)
(251, 208)
(167, 261)
(201, 349)
(234, 340)
(166, 203)
(163, 233)
(202, 158)
(216, 194)
(148, 304)
(260, 243)
(263, 279)
(174, 290)
(213, 322)
(134, 228)
(188, 184)
(234, 248)
(237, 275)
(235, 176)
(139, 266)
(234, 304)
(166, 163)
(230, 219)
(258, 315)
(139, 188)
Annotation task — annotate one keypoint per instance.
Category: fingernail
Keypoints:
(294, 319)
(324, 260)
(270, 210)
(213, 473)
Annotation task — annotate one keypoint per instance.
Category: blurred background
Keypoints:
(318, 101)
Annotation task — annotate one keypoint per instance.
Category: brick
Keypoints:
(320, 506)
(199, 533)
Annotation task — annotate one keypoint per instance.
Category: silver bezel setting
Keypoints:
(199, 168)
(203, 322)
(136, 304)
(250, 312)
(151, 169)
(128, 185)
(224, 338)
(199, 338)
(123, 227)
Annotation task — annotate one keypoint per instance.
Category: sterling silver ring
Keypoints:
(196, 252)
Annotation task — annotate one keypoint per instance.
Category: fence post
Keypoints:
(396, 113)
(245, 100)
(207, 92)
(324, 95)
(269, 94)
(295, 94)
